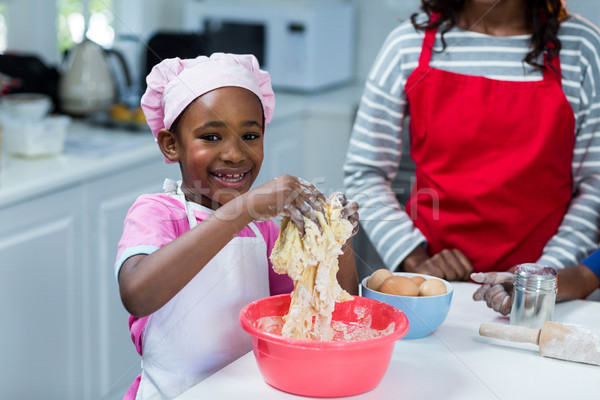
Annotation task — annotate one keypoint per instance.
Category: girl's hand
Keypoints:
(350, 211)
(286, 196)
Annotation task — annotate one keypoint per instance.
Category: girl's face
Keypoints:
(220, 145)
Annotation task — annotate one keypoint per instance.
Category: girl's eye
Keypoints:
(250, 136)
(210, 137)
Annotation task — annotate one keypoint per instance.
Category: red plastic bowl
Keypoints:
(324, 369)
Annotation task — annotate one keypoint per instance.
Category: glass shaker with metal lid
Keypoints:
(534, 295)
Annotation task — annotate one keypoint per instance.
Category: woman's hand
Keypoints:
(286, 196)
(449, 264)
(496, 289)
(350, 211)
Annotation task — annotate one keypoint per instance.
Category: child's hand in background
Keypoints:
(286, 196)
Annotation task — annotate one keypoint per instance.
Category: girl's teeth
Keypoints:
(231, 178)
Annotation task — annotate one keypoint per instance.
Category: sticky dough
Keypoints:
(312, 263)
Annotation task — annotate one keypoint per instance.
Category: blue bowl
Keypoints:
(425, 313)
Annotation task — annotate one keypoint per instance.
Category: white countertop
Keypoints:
(454, 362)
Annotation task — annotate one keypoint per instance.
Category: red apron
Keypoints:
(493, 176)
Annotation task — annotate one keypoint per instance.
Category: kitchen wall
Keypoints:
(376, 19)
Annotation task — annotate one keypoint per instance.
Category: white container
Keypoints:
(30, 138)
(30, 106)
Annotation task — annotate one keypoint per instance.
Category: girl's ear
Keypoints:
(167, 142)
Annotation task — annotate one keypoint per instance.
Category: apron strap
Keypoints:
(427, 47)
(174, 189)
(428, 42)
(255, 230)
(170, 186)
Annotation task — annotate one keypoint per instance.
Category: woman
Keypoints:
(504, 105)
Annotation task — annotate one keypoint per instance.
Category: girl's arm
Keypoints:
(147, 282)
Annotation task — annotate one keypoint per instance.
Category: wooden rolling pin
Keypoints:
(563, 341)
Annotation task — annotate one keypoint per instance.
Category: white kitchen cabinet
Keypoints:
(63, 325)
(42, 301)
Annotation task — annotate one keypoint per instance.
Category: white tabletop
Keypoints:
(454, 362)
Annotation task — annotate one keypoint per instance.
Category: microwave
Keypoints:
(305, 45)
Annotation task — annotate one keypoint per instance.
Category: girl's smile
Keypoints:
(232, 178)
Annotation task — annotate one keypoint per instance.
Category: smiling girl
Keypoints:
(192, 257)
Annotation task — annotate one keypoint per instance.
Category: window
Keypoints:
(2, 29)
(72, 23)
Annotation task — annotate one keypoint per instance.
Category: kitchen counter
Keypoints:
(454, 362)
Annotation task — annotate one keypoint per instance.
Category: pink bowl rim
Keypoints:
(398, 332)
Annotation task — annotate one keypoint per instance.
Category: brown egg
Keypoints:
(400, 286)
(377, 278)
(418, 280)
(432, 287)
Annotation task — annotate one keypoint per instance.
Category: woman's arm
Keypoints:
(375, 147)
(576, 283)
(578, 232)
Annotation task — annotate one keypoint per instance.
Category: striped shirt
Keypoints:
(375, 147)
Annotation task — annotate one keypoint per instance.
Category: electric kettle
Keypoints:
(87, 84)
